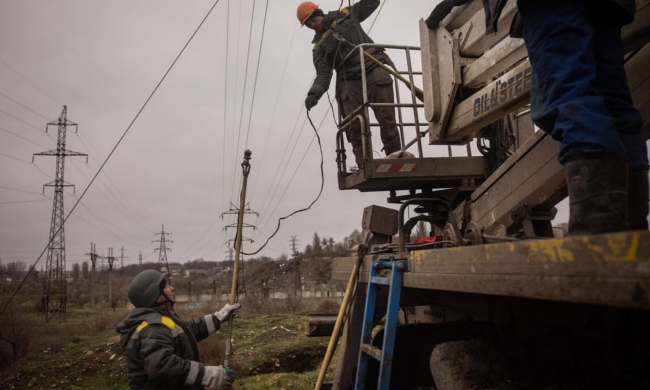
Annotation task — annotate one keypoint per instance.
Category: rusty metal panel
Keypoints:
(608, 269)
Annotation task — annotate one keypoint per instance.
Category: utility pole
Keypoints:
(111, 259)
(242, 275)
(54, 292)
(93, 260)
(140, 261)
(246, 168)
(234, 210)
(122, 257)
(189, 291)
(163, 265)
(297, 287)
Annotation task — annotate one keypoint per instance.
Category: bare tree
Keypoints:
(15, 269)
(84, 270)
(75, 271)
(14, 337)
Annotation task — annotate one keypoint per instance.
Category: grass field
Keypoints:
(271, 352)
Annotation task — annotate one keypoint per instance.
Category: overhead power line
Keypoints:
(269, 128)
(243, 96)
(112, 152)
(23, 122)
(257, 70)
(32, 84)
(23, 138)
(25, 107)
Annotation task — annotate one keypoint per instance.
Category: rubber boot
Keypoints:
(637, 200)
(597, 195)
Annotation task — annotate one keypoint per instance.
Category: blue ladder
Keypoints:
(367, 350)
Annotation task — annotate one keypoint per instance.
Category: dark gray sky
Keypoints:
(103, 58)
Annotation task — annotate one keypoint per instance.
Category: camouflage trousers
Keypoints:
(349, 95)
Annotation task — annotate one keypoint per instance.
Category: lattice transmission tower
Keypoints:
(54, 291)
(163, 265)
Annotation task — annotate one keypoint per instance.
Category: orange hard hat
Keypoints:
(305, 9)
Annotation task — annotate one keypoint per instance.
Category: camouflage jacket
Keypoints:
(329, 51)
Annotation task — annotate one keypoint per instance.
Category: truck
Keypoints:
(496, 297)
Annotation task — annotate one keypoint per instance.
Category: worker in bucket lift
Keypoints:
(581, 98)
(336, 35)
(161, 349)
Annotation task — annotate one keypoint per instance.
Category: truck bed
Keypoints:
(606, 269)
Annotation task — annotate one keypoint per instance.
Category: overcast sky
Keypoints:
(103, 59)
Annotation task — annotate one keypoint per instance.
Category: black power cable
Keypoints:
(4, 308)
(322, 185)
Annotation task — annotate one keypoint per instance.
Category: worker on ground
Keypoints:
(581, 98)
(161, 349)
(337, 33)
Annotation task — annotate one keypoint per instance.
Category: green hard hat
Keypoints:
(146, 287)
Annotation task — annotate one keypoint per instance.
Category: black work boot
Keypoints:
(597, 195)
(637, 200)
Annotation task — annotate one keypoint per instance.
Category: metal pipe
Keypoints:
(414, 140)
(417, 91)
(246, 168)
(409, 124)
(415, 109)
(399, 114)
(365, 132)
(405, 105)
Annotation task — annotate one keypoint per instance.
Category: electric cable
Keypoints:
(23, 122)
(17, 190)
(275, 108)
(128, 206)
(257, 70)
(225, 110)
(310, 121)
(15, 158)
(25, 107)
(286, 188)
(30, 82)
(108, 157)
(23, 138)
(322, 185)
(243, 98)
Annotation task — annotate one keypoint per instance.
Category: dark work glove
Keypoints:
(311, 102)
(441, 11)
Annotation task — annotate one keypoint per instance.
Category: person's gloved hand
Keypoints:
(218, 377)
(227, 311)
(311, 102)
(441, 11)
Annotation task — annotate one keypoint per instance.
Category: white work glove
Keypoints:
(227, 311)
(218, 378)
